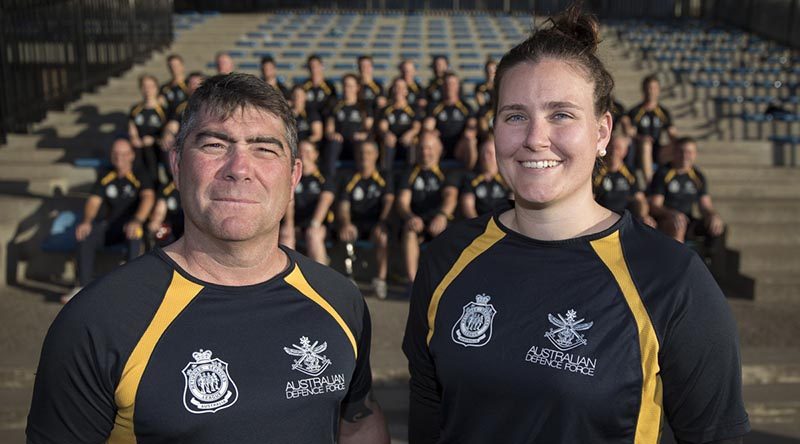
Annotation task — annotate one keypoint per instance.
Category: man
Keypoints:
(434, 92)
(616, 187)
(175, 91)
(484, 191)
(320, 92)
(224, 63)
(647, 121)
(371, 94)
(456, 123)
(426, 200)
(484, 92)
(269, 73)
(223, 336)
(416, 94)
(193, 81)
(119, 204)
(365, 202)
(307, 216)
(675, 191)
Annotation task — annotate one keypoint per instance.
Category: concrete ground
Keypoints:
(770, 349)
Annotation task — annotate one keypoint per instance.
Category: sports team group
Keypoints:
(389, 164)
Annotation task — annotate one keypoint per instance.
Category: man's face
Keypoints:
(685, 155)
(176, 67)
(367, 156)
(408, 70)
(452, 87)
(315, 67)
(224, 64)
(236, 176)
(122, 156)
(365, 67)
(194, 83)
(430, 150)
(652, 90)
(269, 70)
(439, 66)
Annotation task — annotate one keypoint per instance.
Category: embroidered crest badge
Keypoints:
(474, 327)
(209, 387)
(309, 360)
(566, 336)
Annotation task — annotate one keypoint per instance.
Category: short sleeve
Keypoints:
(73, 395)
(453, 179)
(466, 183)
(312, 115)
(668, 116)
(657, 186)
(144, 179)
(361, 382)
(389, 180)
(425, 391)
(329, 185)
(701, 365)
(702, 190)
(403, 184)
(98, 189)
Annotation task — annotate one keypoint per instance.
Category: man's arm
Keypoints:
(363, 423)
(715, 224)
(133, 228)
(90, 211)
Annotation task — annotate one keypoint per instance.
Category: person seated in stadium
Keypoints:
(115, 213)
(484, 191)
(434, 92)
(398, 126)
(456, 123)
(320, 92)
(165, 224)
(224, 63)
(309, 123)
(416, 93)
(676, 189)
(348, 124)
(175, 91)
(309, 212)
(365, 202)
(426, 199)
(193, 81)
(648, 120)
(616, 187)
(484, 92)
(371, 94)
(145, 124)
(269, 73)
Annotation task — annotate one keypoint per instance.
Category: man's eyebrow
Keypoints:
(214, 134)
(266, 139)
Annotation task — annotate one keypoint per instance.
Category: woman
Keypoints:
(348, 124)
(146, 120)
(559, 321)
(398, 126)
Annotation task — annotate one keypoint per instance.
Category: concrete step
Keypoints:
(751, 173)
(742, 235)
(10, 157)
(735, 210)
(770, 258)
(777, 287)
(755, 190)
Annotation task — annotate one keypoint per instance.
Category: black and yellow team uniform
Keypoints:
(151, 354)
(175, 94)
(348, 120)
(304, 121)
(486, 114)
(483, 89)
(365, 196)
(450, 122)
(585, 340)
(306, 197)
(173, 221)
(321, 98)
(369, 94)
(617, 111)
(415, 93)
(426, 188)
(287, 93)
(490, 193)
(434, 92)
(399, 120)
(149, 122)
(651, 123)
(177, 115)
(615, 190)
(121, 198)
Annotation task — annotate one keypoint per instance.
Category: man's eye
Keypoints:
(561, 116)
(213, 146)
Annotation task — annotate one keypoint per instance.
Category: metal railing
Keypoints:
(52, 51)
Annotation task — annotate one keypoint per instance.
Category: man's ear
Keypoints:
(174, 162)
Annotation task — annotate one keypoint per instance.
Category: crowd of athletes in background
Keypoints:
(390, 164)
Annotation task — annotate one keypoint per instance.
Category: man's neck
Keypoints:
(309, 168)
(227, 263)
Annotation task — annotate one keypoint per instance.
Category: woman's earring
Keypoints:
(602, 152)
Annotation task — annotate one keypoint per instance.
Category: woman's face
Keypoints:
(149, 88)
(350, 87)
(546, 133)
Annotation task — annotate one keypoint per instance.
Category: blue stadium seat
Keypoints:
(284, 66)
(470, 66)
(344, 66)
(262, 54)
(246, 43)
(465, 45)
(248, 65)
(382, 45)
(273, 44)
(236, 54)
(328, 44)
(292, 54)
(492, 45)
(469, 55)
(382, 55)
(256, 35)
(407, 45)
(281, 35)
(356, 44)
(299, 44)
(438, 45)
(411, 55)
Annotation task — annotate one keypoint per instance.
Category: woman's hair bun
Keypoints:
(581, 27)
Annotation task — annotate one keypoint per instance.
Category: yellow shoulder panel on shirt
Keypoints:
(108, 178)
(648, 425)
(490, 236)
(298, 281)
(179, 294)
(353, 181)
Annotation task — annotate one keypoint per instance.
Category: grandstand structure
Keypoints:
(716, 80)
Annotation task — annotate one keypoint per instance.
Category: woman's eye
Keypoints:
(561, 116)
(514, 118)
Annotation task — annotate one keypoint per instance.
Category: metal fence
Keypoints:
(52, 51)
